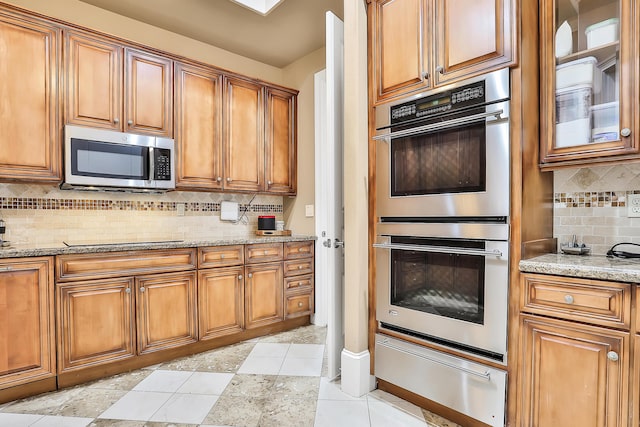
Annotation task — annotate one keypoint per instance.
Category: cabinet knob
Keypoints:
(440, 69)
(128, 291)
(239, 276)
(116, 120)
(299, 304)
(250, 275)
(219, 179)
(299, 267)
(568, 299)
(129, 122)
(613, 356)
(229, 179)
(625, 132)
(141, 288)
(269, 182)
(300, 249)
(425, 75)
(265, 252)
(221, 256)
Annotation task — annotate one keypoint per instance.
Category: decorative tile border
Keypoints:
(592, 199)
(11, 203)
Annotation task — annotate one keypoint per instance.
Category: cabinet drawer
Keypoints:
(118, 264)
(592, 301)
(297, 267)
(220, 256)
(298, 282)
(262, 252)
(299, 304)
(295, 250)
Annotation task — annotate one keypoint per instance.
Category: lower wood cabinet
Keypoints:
(263, 294)
(573, 375)
(220, 301)
(27, 334)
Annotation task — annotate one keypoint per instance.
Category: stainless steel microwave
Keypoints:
(98, 159)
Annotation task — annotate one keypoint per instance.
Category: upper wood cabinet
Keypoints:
(243, 115)
(588, 104)
(27, 329)
(115, 87)
(420, 44)
(280, 142)
(30, 136)
(198, 130)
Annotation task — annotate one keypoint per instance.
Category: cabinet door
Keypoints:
(472, 37)
(198, 94)
(30, 144)
(93, 76)
(220, 301)
(148, 93)
(280, 144)
(573, 374)
(166, 311)
(400, 32)
(589, 63)
(27, 336)
(263, 293)
(243, 113)
(95, 323)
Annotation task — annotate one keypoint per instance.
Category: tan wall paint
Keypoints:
(300, 74)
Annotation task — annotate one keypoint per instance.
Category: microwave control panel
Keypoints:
(162, 164)
(464, 97)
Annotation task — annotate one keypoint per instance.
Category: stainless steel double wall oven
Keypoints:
(442, 249)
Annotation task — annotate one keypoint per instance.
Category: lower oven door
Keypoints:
(450, 291)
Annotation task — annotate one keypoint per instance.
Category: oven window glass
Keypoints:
(448, 161)
(445, 284)
(107, 160)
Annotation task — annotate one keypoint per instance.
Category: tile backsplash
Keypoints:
(44, 214)
(591, 203)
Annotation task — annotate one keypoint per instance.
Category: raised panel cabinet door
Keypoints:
(93, 76)
(220, 301)
(573, 374)
(30, 144)
(27, 335)
(401, 43)
(472, 37)
(198, 122)
(243, 116)
(166, 311)
(148, 93)
(95, 323)
(280, 144)
(263, 294)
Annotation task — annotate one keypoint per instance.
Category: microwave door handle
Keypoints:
(440, 249)
(152, 164)
(438, 126)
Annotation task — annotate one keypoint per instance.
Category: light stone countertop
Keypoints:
(30, 250)
(584, 266)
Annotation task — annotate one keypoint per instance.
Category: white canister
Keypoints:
(280, 225)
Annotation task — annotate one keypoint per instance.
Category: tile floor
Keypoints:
(270, 381)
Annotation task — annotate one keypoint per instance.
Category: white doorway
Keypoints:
(328, 190)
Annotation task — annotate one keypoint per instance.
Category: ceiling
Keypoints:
(292, 30)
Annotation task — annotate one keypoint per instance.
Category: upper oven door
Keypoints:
(454, 164)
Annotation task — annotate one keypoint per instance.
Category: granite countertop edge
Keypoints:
(31, 250)
(597, 267)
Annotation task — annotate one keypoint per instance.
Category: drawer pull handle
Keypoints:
(568, 299)
(300, 304)
(613, 356)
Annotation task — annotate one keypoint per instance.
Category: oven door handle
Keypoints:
(438, 126)
(484, 375)
(441, 249)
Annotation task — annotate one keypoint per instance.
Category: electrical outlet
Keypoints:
(633, 205)
(180, 209)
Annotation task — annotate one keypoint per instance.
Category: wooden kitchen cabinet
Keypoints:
(220, 301)
(280, 142)
(30, 137)
(421, 44)
(115, 87)
(27, 327)
(263, 294)
(298, 279)
(243, 139)
(95, 322)
(198, 128)
(589, 103)
(166, 311)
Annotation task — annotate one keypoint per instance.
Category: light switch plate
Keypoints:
(308, 211)
(180, 209)
(633, 205)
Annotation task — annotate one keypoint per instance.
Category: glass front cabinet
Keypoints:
(588, 81)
